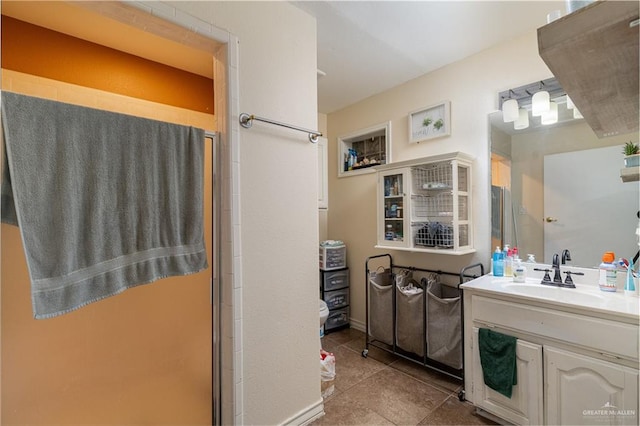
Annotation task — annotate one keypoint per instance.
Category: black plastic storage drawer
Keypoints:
(334, 280)
(337, 298)
(337, 318)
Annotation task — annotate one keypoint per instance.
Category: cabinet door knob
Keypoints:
(550, 219)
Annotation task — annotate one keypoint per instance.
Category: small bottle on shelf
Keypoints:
(389, 235)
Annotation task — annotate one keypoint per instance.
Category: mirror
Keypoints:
(557, 187)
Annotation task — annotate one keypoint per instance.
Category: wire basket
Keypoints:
(434, 234)
(426, 207)
(435, 176)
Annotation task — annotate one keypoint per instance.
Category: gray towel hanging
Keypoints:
(104, 201)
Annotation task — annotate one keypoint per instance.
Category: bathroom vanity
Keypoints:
(576, 353)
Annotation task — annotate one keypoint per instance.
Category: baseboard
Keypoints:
(308, 415)
(358, 325)
(492, 417)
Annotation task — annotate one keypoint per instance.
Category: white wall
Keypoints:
(323, 213)
(276, 324)
(528, 153)
(472, 86)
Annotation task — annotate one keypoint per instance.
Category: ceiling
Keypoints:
(367, 47)
(364, 47)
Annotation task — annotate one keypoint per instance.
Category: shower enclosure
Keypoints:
(149, 355)
(146, 356)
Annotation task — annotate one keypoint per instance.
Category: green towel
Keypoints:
(498, 359)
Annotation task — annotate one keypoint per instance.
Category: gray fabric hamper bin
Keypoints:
(444, 324)
(381, 306)
(410, 320)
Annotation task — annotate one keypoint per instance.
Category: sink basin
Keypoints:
(569, 295)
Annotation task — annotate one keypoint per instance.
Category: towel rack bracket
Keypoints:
(246, 120)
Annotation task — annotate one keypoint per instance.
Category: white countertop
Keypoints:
(585, 297)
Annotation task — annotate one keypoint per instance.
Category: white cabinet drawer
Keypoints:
(605, 336)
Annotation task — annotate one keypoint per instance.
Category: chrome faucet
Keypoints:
(557, 278)
(566, 256)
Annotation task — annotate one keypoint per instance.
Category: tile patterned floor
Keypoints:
(383, 389)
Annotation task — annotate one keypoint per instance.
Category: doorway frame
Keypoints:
(165, 21)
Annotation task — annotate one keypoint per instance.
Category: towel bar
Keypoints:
(246, 120)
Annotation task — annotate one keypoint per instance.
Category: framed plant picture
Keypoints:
(430, 122)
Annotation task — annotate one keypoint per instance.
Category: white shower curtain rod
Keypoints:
(246, 120)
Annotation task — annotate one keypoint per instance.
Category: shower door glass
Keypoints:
(141, 357)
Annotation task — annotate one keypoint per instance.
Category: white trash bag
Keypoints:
(327, 372)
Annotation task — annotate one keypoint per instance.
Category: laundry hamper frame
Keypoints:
(370, 340)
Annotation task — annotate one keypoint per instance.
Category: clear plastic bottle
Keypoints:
(519, 271)
(608, 279)
(629, 284)
(389, 234)
(498, 263)
(508, 261)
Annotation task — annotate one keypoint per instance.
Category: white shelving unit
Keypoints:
(424, 205)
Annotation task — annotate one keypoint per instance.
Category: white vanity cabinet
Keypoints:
(585, 390)
(575, 364)
(525, 405)
(424, 205)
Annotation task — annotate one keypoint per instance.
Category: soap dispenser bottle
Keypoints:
(498, 263)
(508, 261)
(519, 271)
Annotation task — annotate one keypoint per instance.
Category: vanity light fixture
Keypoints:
(550, 116)
(510, 109)
(523, 120)
(570, 104)
(540, 102)
(524, 96)
(576, 113)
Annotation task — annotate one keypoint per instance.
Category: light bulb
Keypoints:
(551, 116)
(539, 103)
(523, 120)
(510, 110)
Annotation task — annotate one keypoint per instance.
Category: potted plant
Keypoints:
(631, 153)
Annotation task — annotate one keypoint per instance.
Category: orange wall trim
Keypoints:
(39, 51)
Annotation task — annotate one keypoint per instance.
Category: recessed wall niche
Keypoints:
(360, 151)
